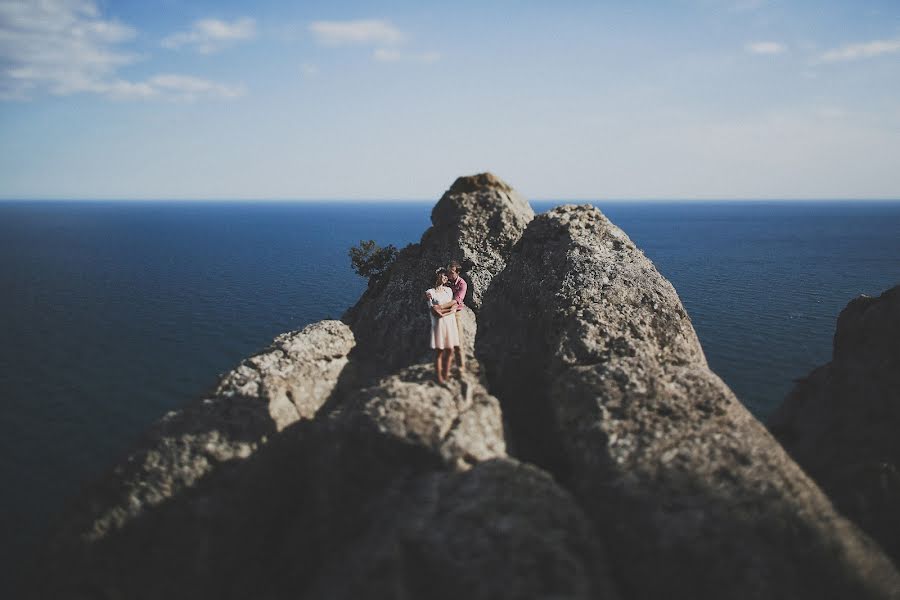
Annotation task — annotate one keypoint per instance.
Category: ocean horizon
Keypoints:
(118, 312)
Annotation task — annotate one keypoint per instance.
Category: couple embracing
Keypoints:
(445, 299)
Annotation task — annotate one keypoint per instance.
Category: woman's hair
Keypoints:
(437, 275)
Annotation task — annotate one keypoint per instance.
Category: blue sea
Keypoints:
(112, 313)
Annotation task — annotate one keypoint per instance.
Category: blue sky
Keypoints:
(566, 100)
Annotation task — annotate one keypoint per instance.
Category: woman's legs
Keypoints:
(438, 355)
(448, 360)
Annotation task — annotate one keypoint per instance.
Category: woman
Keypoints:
(444, 335)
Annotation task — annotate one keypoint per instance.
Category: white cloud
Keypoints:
(59, 45)
(765, 48)
(391, 55)
(387, 39)
(65, 47)
(167, 86)
(208, 36)
(185, 87)
(863, 50)
(364, 31)
(309, 69)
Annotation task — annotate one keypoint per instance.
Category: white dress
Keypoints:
(444, 333)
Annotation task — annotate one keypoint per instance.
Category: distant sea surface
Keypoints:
(113, 313)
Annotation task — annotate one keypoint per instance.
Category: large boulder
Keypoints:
(288, 381)
(459, 420)
(337, 508)
(603, 382)
(841, 423)
(476, 222)
(331, 483)
(500, 530)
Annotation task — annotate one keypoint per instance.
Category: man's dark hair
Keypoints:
(454, 266)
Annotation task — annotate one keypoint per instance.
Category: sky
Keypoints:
(684, 99)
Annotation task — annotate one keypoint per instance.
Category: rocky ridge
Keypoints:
(605, 384)
(267, 392)
(841, 422)
(476, 222)
(595, 455)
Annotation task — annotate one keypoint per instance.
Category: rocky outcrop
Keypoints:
(332, 508)
(288, 381)
(293, 377)
(841, 422)
(476, 222)
(499, 530)
(317, 472)
(459, 420)
(346, 467)
(604, 383)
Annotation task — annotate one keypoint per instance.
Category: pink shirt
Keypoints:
(459, 291)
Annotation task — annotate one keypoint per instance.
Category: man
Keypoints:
(459, 287)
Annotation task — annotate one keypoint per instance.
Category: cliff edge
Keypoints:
(587, 451)
(841, 422)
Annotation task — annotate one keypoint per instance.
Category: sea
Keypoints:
(113, 313)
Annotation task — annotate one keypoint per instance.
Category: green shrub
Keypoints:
(370, 260)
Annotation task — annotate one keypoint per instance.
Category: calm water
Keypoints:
(112, 314)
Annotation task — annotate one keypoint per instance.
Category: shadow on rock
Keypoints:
(337, 509)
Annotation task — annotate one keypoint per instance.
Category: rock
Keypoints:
(499, 530)
(295, 375)
(605, 385)
(317, 472)
(476, 222)
(335, 508)
(342, 499)
(459, 420)
(286, 382)
(841, 423)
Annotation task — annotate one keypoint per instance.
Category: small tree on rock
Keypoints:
(369, 260)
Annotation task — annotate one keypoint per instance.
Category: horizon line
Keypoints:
(424, 200)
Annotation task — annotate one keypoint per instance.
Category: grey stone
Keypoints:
(476, 222)
(317, 472)
(286, 382)
(841, 422)
(459, 419)
(336, 508)
(605, 385)
(499, 530)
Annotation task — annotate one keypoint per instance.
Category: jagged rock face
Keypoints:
(288, 381)
(459, 420)
(476, 222)
(333, 508)
(492, 215)
(314, 473)
(842, 422)
(295, 375)
(603, 382)
(499, 530)
(399, 489)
